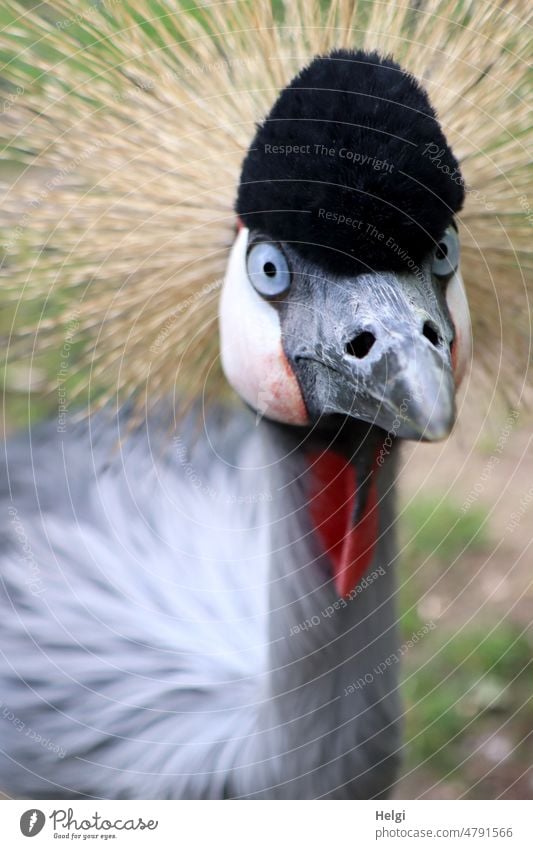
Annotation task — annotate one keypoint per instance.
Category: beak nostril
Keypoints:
(360, 345)
(431, 333)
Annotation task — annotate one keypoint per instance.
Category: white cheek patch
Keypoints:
(460, 313)
(252, 353)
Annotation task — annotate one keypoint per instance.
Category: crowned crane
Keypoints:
(189, 612)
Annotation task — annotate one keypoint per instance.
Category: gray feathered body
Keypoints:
(154, 596)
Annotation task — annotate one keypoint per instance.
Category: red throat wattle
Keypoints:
(349, 542)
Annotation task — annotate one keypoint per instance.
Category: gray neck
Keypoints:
(328, 724)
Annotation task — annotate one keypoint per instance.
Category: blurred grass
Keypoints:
(461, 682)
(439, 528)
(435, 533)
(30, 385)
(466, 681)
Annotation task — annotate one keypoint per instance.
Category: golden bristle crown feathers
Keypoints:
(126, 125)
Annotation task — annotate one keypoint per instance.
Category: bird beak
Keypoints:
(377, 348)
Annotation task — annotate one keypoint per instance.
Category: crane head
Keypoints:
(343, 293)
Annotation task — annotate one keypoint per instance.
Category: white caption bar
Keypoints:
(268, 825)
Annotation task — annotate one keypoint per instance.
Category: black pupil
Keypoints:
(269, 269)
(442, 250)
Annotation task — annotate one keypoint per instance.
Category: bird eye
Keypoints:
(446, 255)
(268, 270)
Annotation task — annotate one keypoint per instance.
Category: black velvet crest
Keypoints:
(351, 166)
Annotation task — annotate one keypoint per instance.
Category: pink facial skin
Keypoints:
(460, 314)
(252, 352)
